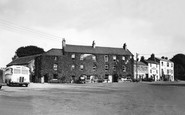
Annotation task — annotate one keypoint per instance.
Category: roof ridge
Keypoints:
(96, 46)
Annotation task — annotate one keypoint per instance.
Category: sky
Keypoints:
(146, 26)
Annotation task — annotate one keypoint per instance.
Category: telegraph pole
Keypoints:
(137, 66)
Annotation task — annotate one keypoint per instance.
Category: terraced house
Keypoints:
(73, 61)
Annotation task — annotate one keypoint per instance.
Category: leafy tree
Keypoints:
(179, 68)
(28, 51)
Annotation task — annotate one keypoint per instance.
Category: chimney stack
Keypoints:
(63, 45)
(125, 46)
(93, 44)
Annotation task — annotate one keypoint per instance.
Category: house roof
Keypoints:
(151, 61)
(96, 50)
(161, 59)
(53, 51)
(23, 60)
(139, 63)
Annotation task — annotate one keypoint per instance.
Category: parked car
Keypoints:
(1, 79)
(126, 79)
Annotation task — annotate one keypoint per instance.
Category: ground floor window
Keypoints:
(55, 76)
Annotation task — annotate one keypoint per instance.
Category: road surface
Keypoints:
(93, 99)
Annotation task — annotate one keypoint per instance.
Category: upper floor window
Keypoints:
(81, 67)
(94, 67)
(82, 57)
(168, 71)
(167, 64)
(73, 56)
(114, 68)
(162, 63)
(56, 58)
(72, 67)
(124, 68)
(106, 58)
(171, 64)
(123, 58)
(114, 58)
(17, 71)
(106, 67)
(94, 58)
(55, 67)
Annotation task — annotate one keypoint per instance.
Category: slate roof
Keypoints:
(151, 61)
(55, 52)
(160, 59)
(96, 50)
(23, 60)
(139, 63)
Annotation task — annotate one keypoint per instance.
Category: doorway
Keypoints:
(115, 78)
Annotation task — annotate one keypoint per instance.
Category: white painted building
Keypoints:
(166, 69)
(153, 70)
(140, 70)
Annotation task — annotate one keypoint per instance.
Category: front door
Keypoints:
(115, 78)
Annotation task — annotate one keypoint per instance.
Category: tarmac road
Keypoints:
(93, 99)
